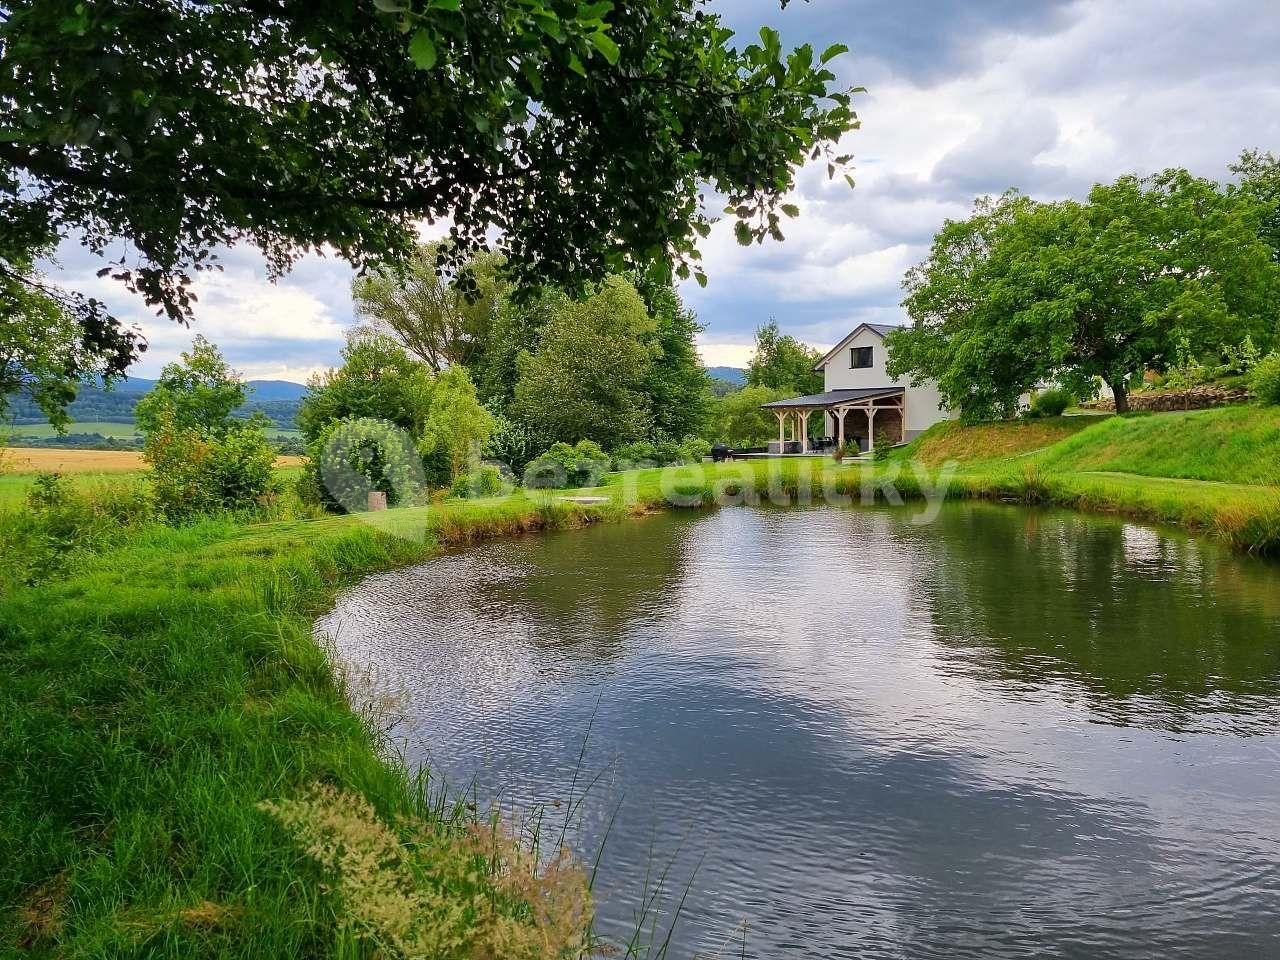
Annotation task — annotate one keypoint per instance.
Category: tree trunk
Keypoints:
(1120, 390)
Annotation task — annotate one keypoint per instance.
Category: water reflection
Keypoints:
(877, 740)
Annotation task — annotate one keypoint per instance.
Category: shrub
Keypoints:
(355, 456)
(484, 481)
(694, 449)
(1051, 403)
(191, 475)
(884, 445)
(1264, 380)
(514, 444)
(563, 466)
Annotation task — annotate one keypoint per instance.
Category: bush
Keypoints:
(694, 449)
(563, 466)
(355, 456)
(1264, 380)
(485, 481)
(1051, 403)
(192, 475)
(513, 443)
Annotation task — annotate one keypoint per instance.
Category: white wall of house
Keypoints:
(924, 403)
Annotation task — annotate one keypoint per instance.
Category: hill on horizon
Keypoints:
(735, 375)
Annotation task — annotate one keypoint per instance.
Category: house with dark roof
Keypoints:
(860, 403)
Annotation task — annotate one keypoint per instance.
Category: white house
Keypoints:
(860, 402)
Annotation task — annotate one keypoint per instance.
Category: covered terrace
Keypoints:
(876, 409)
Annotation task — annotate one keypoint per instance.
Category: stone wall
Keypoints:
(1194, 398)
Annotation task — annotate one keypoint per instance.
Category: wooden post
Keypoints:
(782, 429)
(840, 427)
(803, 423)
(902, 411)
(871, 429)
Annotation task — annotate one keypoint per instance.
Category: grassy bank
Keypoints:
(161, 685)
(156, 696)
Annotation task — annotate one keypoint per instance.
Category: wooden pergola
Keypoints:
(793, 414)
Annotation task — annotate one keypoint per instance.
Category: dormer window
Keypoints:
(860, 358)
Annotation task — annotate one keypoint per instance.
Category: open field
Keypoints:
(119, 431)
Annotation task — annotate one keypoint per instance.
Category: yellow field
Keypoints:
(40, 460)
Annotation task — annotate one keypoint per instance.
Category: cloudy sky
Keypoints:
(964, 98)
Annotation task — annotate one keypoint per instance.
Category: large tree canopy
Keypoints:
(781, 362)
(1144, 271)
(578, 133)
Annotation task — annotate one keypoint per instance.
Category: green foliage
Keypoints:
(1259, 175)
(737, 420)
(485, 480)
(355, 456)
(660, 453)
(440, 319)
(1022, 292)
(192, 474)
(1264, 380)
(199, 393)
(1052, 402)
(563, 466)
(513, 444)
(378, 380)
(580, 134)
(678, 387)
(588, 378)
(456, 429)
(781, 362)
(202, 458)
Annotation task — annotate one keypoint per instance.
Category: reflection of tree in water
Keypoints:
(586, 587)
(1029, 597)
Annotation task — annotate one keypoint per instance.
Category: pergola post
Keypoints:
(782, 429)
(802, 421)
(871, 429)
(839, 427)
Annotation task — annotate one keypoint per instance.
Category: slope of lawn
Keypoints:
(964, 443)
(1228, 445)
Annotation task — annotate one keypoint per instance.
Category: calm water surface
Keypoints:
(1009, 733)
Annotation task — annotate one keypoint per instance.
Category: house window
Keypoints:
(860, 358)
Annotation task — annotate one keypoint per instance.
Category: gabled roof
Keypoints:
(881, 330)
(832, 398)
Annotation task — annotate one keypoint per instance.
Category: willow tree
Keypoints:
(578, 133)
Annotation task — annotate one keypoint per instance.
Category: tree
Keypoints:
(378, 380)
(1144, 270)
(457, 427)
(678, 387)
(781, 362)
(577, 133)
(198, 393)
(1260, 179)
(427, 311)
(202, 457)
(587, 380)
(51, 342)
(737, 420)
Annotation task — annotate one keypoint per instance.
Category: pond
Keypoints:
(1006, 733)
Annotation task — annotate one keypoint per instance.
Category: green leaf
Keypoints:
(608, 49)
(597, 10)
(701, 278)
(791, 210)
(423, 50)
(743, 233)
(452, 5)
(832, 52)
(389, 6)
(575, 64)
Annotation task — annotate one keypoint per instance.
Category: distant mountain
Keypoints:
(735, 375)
(276, 390)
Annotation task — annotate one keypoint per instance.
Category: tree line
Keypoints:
(1146, 275)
